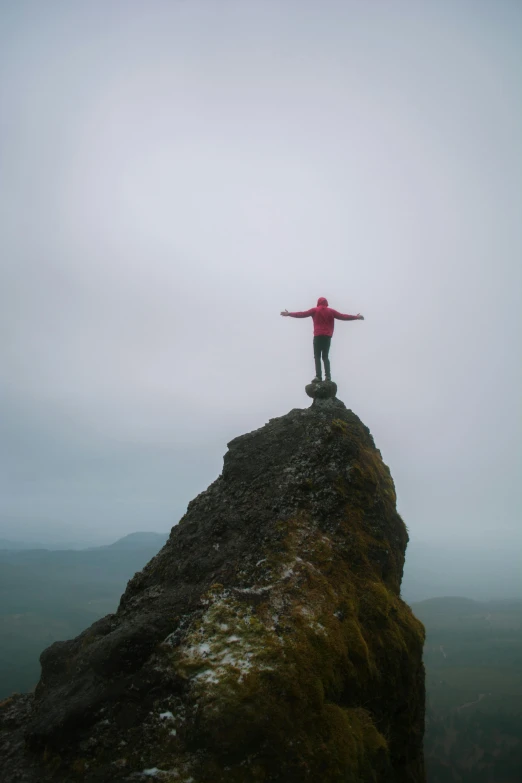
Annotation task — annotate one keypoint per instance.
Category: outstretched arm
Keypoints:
(343, 317)
(303, 314)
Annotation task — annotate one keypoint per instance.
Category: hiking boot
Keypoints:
(327, 378)
(316, 380)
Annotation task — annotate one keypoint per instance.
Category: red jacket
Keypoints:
(323, 317)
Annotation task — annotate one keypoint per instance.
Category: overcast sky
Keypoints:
(174, 173)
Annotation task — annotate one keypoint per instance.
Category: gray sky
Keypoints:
(173, 174)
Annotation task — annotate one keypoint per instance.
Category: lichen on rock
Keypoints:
(267, 641)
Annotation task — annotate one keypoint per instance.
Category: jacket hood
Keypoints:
(322, 302)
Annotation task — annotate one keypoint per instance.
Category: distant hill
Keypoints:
(139, 540)
(6, 543)
(47, 595)
(477, 570)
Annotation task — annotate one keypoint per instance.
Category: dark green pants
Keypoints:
(322, 349)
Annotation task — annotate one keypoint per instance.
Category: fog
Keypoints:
(174, 174)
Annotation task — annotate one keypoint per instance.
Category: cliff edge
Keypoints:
(267, 641)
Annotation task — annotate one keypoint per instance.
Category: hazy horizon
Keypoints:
(175, 174)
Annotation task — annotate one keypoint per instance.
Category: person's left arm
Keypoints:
(344, 317)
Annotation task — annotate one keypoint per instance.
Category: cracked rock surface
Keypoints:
(267, 641)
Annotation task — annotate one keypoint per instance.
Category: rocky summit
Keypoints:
(267, 641)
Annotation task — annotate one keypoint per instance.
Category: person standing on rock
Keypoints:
(324, 322)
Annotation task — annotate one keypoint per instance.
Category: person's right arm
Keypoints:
(303, 314)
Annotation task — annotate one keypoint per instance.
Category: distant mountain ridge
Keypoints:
(482, 572)
(52, 594)
(14, 546)
(130, 541)
(137, 540)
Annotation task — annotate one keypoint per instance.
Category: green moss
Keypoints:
(296, 709)
(339, 426)
(79, 767)
(51, 759)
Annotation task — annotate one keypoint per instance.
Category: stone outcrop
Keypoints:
(267, 641)
(323, 390)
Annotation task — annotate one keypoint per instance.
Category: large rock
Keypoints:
(267, 641)
(321, 390)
